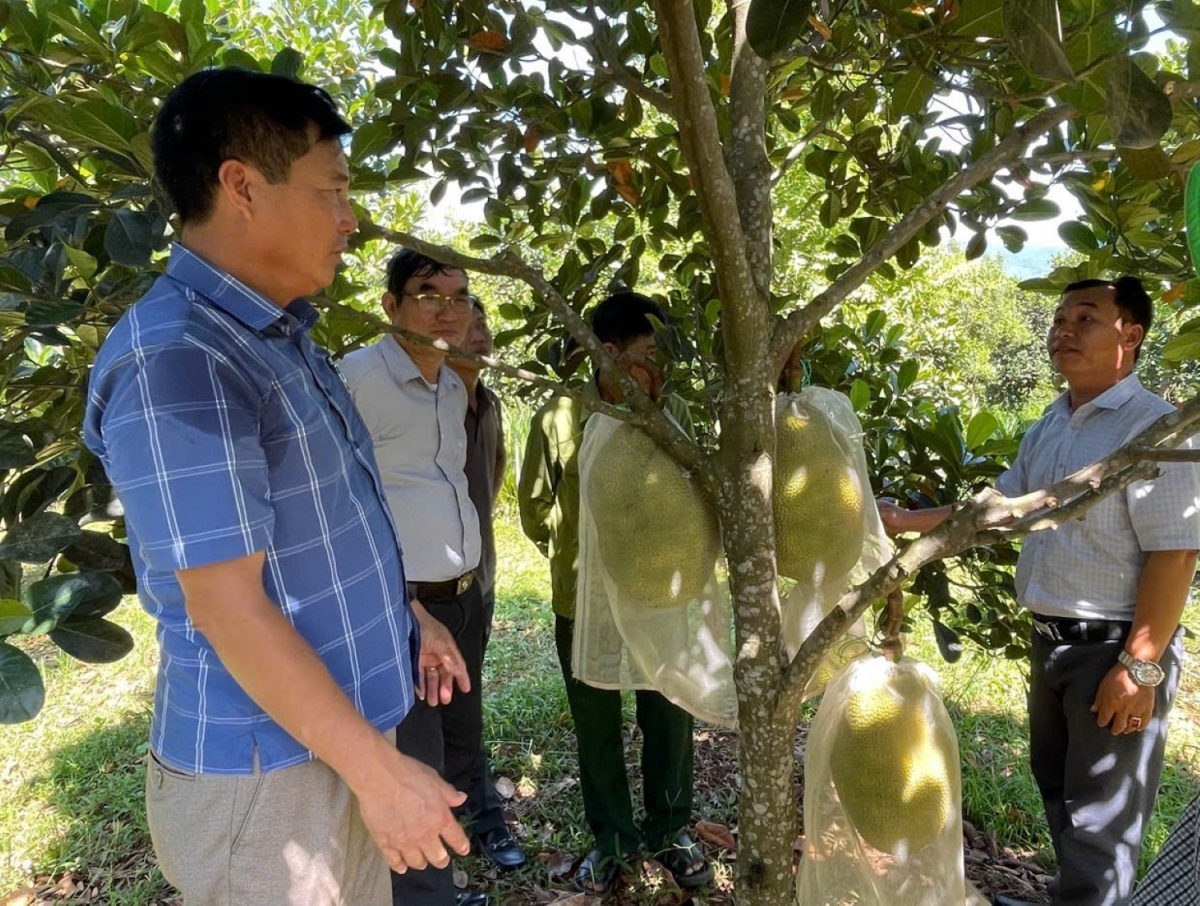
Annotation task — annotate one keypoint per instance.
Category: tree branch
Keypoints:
(715, 192)
(654, 422)
(989, 517)
(612, 65)
(791, 329)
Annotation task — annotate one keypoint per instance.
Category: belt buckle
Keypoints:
(1048, 631)
(464, 582)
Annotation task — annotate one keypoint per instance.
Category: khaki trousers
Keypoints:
(289, 837)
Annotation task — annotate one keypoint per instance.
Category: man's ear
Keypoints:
(613, 350)
(237, 183)
(1133, 336)
(389, 305)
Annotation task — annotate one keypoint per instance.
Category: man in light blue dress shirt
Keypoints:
(1106, 591)
(415, 408)
(258, 527)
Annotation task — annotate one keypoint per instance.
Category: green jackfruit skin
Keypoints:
(891, 765)
(657, 531)
(818, 501)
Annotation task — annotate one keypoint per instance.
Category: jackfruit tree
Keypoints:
(618, 143)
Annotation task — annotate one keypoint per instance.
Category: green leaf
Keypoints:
(980, 429)
(38, 539)
(92, 640)
(976, 246)
(370, 139)
(21, 691)
(1034, 34)
(948, 642)
(1035, 209)
(93, 122)
(980, 18)
(912, 92)
(772, 25)
(127, 238)
(860, 395)
(13, 615)
(1146, 163)
(288, 62)
(71, 595)
(15, 449)
(1139, 114)
(83, 263)
(907, 374)
(97, 550)
(1078, 236)
(240, 59)
(1183, 348)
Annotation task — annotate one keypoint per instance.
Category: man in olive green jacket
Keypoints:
(548, 493)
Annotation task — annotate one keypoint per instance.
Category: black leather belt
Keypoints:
(1066, 632)
(446, 589)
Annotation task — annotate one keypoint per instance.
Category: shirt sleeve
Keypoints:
(1015, 481)
(538, 483)
(1165, 511)
(183, 450)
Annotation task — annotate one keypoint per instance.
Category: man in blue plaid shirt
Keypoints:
(259, 530)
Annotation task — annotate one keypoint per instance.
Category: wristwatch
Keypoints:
(1144, 673)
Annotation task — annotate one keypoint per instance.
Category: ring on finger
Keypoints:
(1135, 722)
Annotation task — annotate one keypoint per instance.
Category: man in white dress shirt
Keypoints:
(415, 407)
(1106, 592)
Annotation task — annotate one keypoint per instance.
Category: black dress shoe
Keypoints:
(470, 898)
(1002, 900)
(500, 848)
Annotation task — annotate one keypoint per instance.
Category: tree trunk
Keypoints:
(768, 817)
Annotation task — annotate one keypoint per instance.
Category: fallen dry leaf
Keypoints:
(505, 788)
(716, 835)
(526, 788)
(559, 863)
(26, 896)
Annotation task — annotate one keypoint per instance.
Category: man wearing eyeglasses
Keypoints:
(415, 407)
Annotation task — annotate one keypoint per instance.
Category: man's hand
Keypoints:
(441, 664)
(406, 807)
(1122, 703)
(894, 518)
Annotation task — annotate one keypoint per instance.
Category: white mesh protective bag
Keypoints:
(828, 534)
(883, 793)
(650, 612)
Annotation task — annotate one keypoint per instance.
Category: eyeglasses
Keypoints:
(436, 302)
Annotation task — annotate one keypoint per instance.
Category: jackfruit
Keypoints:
(657, 530)
(891, 763)
(818, 500)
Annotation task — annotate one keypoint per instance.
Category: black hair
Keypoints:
(1131, 300)
(477, 304)
(406, 264)
(624, 317)
(219, 114)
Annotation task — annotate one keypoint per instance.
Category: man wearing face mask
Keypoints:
(1106, 592)
(415, 407)
(486, 459)
(549, 500)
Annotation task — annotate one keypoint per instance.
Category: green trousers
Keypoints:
(666, 761)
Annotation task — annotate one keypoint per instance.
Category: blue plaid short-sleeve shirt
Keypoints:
(226, 430)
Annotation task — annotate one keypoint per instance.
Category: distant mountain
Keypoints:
(1032, 261)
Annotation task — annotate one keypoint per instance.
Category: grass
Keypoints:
(71, 781)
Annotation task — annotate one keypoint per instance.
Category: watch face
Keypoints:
(1147, 673)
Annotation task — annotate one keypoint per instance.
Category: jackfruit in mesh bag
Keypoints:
(883, 793)
(650, 609)
(828, 534)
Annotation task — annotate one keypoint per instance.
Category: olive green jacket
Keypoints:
(548, 487)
